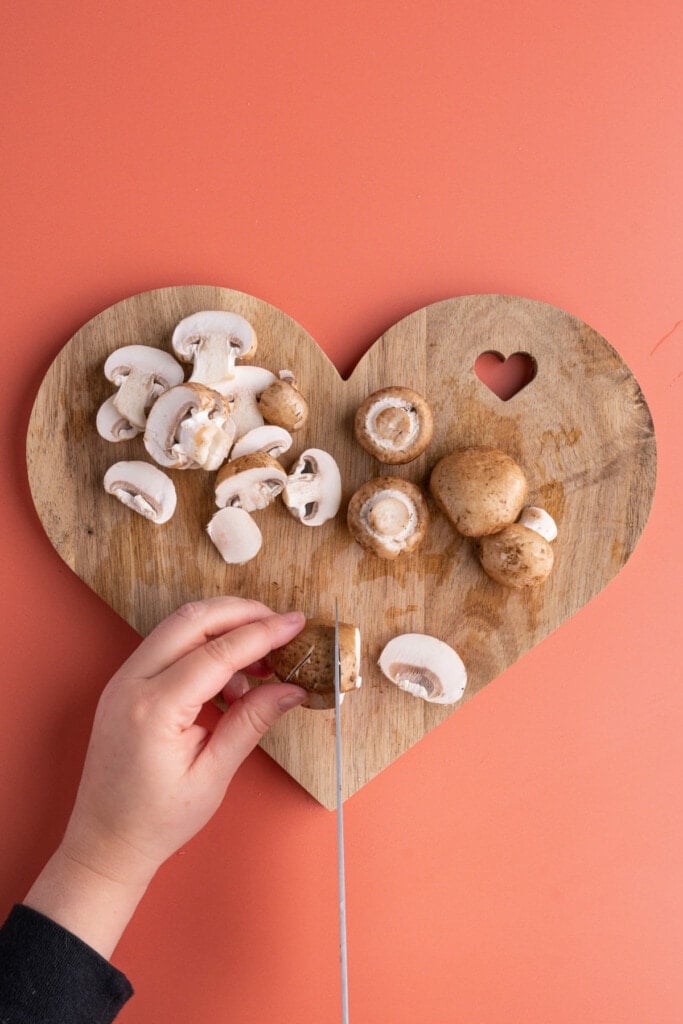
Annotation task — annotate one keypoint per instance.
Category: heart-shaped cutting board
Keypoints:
(581, 430)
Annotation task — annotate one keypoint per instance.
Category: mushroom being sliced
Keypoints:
(235, 535)
(313, 490)
(213, 340)
(189, 427)
(111, 425)
(241, 391)
(388, 516)
(268, 439)
(251, 482)
(425, 667)
(282, 404)
(143, 488)
(394, 424)
(480, 489)
(516, 556)
(308, 661)
(141, 373)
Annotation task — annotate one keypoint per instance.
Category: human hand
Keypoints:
(153, 777)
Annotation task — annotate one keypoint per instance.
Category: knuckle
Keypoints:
(218, 649)
(190, 611)
(256, 718)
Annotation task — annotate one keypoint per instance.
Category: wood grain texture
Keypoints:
(581, 430)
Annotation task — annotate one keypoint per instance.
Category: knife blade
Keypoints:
(341, 869)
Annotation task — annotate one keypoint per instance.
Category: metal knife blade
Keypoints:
(340, 820)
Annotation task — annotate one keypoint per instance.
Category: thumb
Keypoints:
(246, 722)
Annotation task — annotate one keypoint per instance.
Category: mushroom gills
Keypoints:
(313, 490)
(111, 425)
(425, 667)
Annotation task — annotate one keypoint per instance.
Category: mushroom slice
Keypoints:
(111, 425)
(143, 488)
(235, 534)
(241, 391)
(394, 424)
(308, 661)
(313, 490)
(189, 427)
(272, 440)
(213, 340)
(480, 489)
(539, 520)
(516, 556)
(424, 666)
(250, 482)
(388, 516)
(141, 373)
(282, 404)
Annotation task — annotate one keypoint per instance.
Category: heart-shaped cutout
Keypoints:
(582, 433)
(505, 377)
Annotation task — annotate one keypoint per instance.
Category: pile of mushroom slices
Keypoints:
(228, 417)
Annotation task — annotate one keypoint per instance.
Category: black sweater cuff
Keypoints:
(49, 975)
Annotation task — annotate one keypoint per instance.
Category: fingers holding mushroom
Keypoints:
(388, 516)
(308, 661)
(394, 424)
(143, 488)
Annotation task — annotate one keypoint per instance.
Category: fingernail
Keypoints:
(294, 617)
(290, 700)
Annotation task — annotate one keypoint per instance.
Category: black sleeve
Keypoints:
(49, 976)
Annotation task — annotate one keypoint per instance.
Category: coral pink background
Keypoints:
(350, 163)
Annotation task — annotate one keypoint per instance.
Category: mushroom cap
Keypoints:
(143, 488)
(189, 427)
(425, 667)
(480, 489)
(394, 424)
(238, 333)
(516, 557)
(272, 440)
(235, 534)
(283, 405)
(241, 392)
(313, 490)
(312, 650)
(250, 482)
(538, 519)
(111, 425)
(388, 516)
(148, 360)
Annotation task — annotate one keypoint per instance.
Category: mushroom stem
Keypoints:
(135, 396)
(214, 361)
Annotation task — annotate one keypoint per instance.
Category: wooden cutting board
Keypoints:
(581, 430)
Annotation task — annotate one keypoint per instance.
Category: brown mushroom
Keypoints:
(250, 482)
(394, 424)
(480, 489)
(282, 404)
(517, 556)
(388, 516)
(308, 661)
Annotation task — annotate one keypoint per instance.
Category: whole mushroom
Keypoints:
(516, 557)
(480, 489)
(282, 404)
(388, 516)
(394, 424)
(308, 661)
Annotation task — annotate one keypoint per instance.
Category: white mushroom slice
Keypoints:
(235, 534)
(111, 425)
(189, 427)
(394, 424)
(425, 667)
(313, 490)
(141, 373)
(241, 391)
(388, 516)
(251, 482)
(539, 520)
(143, 488)
(272, 440)
(213, 340)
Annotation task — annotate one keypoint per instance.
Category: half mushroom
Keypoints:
(141, 373)
(250, 482)
(189, 427)
(212, 340)
(235, 535)
(143, 488)
(313, 490)
(308, 661)
(425, 667)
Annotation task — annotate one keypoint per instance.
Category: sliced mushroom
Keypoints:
(425, 667)
(388, 516)
(282, 404)
(213, 340)
(272, 440)
(143, 488)
(539, 520)
(480, 489)
(313, 490)
(394, 424)
(242, 391)
(250, 482)
(141, 373)
(189, 427)
(111, 425)
(308, 661)
(235, 534)
(517, 557)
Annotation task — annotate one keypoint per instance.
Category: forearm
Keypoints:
(92, 906)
